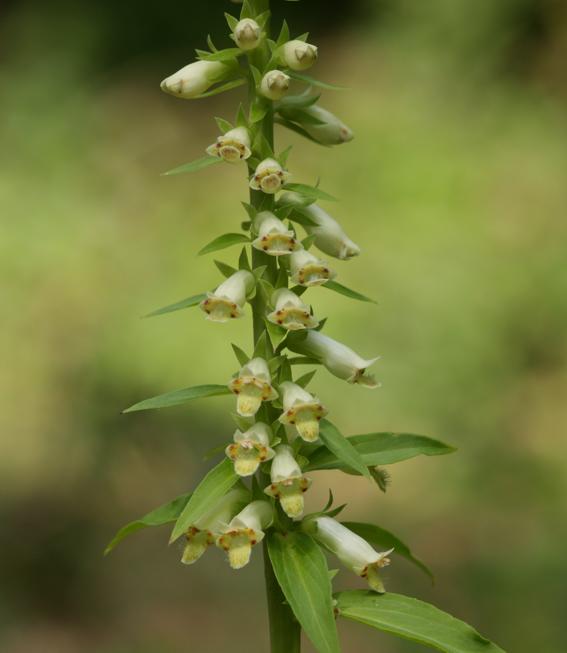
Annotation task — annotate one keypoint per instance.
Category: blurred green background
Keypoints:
(455, 186)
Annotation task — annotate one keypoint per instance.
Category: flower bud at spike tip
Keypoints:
(308, 270)
(244, 531)
(329, 235)
(269, 177)
(250, 449)
(252, 386)
(247, 34)
(301, 410)
(290, 312)
(228, 300)
(354, 552)
(233, 146)
(299, 55)
(274, 85)
(194, 79)
(274, 237)
(205, 530)
(288, 483)
(339, 359)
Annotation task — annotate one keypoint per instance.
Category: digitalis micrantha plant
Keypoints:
(291, 246)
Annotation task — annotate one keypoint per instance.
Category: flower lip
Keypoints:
(233, 146)
(250, 449)
(245, 531)
(269, 177)
(308, 270)
(273, 236)
(301, 410)
(252, 386)
(290, 312)
(287, 482)
(228, 300)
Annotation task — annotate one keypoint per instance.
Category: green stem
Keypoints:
(285, 631)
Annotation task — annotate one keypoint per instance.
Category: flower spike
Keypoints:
(273, 236)
(301, 410)
(339, 359)
(269, 177)
(195, 78)
(250, 449)
(252, 386)
(354, 552)
(288, 483)
(308, 270)
(290, 312)
(204, 531)
(244, 531)
(233, 146)
(228, 300)
(329, 235)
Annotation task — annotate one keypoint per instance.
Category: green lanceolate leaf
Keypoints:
(382, 449)
(383, 539)
(165, 514)
(301, 570)
(193, 166)
(310, 191)
(297, 129)
(227, 86)
(304, 380)
(212, 488)
(314, 82)
(241, 355)
(342, 448)
(179, 397)
(414, 620)
(347, 292)
(223, 125)
(224, 241)
(225, 269)
(223, 55)
(188, 302)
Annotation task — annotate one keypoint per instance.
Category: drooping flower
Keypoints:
(250, 449)
(195, 78)
(204, 531)
(252, 386)
(233, 146)
(288, 483)
(353, 551)
(299, 55)
(329, 235)
(274, 237)
(228, 300)
(290, 312)
(330, 130)
(308, 270)
(339, 359)
(274, 84)
(244, 531)
(269, 177)
(301, 410)
(247, 34)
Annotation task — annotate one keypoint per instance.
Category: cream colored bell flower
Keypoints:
(250, 449)
(299, 55)
(245, 531)
(274, 237)
(339, 359)
(269, 177)
(247, 34)
(204, 531)
(228, 300)
(234, 146)
(252, 386)
(329, 235)
(195, 78)
(354, 552)
(288, 483)
(308, 270)
(301, 410)
(290, 312)
(275, 84)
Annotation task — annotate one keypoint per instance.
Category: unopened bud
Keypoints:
(275, 85)
(247, 34)
(194, 79)
(299, 55)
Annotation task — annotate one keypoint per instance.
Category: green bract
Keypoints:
(259, 492)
